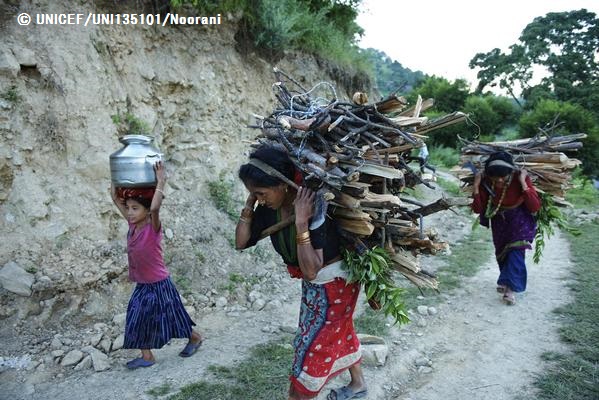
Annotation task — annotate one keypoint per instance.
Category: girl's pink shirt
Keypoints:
(146, 264)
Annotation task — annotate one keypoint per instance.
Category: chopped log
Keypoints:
(423, 244)
(380, 170)
(293, 123)
(409, 121)
(425, 105)
(399, 232)
(420, 280)
(442, 204)
(391, 104)
(380, 200)
(400, 222)
(417, 107)
(360, 98)
(442, 122)
(396, 149)
(359, 227)
(351, 214)
(406, 260)
(345, 200)
(356, 189)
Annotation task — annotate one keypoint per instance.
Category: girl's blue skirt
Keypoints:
(155, 315)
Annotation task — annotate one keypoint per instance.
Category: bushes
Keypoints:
(449, 96)
(488, 114)
(279, 24)
(326, 28)
(572, 118)
(568, 119)
(445, 156)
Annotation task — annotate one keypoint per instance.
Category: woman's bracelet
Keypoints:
(247, 212)
(303, 242)
(161, 192)
(303, 236)
(245, 220)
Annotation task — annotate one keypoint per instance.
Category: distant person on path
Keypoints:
(155, 313)
(423, 156)
(326, 343)
(505, 196)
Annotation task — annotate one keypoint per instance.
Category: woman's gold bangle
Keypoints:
(247, 212)
(303, 235)
(303, 242)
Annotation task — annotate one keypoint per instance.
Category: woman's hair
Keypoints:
(141, 200)
(499, 168)
(276, 158)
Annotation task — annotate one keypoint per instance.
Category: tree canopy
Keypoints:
(563, 43)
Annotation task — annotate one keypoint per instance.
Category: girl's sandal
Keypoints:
(190, 349)
(509, 299)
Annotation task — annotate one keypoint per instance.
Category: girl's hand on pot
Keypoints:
(160, 171)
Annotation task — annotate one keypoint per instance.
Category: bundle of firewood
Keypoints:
(356, 155)
(542, 156)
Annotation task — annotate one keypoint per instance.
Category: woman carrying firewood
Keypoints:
(326, 343)
(505, 196)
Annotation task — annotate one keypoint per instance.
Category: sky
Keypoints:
(440, 37)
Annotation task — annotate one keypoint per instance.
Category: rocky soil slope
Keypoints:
(62, 254)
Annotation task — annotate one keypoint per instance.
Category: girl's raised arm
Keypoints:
(120, 203)
(158, 194)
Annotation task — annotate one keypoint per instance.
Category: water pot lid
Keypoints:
(142, 139)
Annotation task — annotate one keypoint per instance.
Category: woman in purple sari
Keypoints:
(505, 197)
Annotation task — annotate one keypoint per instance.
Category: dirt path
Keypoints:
(477, 347)
(473, 347)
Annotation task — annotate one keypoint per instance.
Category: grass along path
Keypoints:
(574, 374)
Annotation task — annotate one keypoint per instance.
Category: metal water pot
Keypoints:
(133, 165)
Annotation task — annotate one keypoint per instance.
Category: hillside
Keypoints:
(61, 87)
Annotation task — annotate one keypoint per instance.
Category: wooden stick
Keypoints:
(277, 227)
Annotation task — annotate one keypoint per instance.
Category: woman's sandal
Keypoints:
(509, 299)
(500, 288)
(190, 349)
(345, 393)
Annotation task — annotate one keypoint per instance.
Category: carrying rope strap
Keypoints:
(267, 169)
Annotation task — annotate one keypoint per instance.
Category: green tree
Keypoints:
(564, 44)
(505, 107)
(487, 116)
(566, 118)
(481, 112)
(449, 96)
(341, 13)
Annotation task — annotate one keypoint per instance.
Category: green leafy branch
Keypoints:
(549, 217)
(372, 270)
